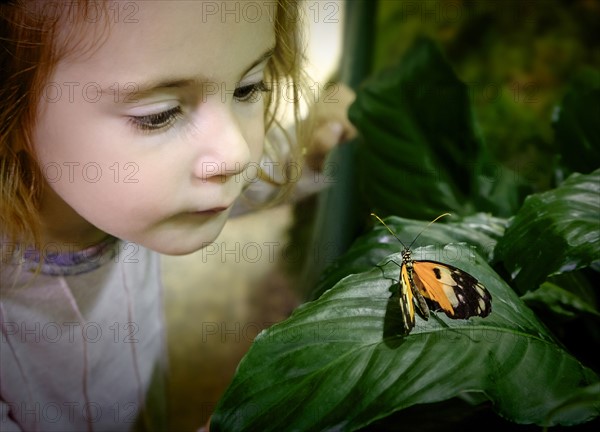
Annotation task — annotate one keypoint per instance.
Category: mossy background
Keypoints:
(518, 58)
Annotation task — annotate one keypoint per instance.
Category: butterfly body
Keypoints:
(409, 291)
(436, 286)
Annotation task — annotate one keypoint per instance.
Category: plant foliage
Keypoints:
(340, 362)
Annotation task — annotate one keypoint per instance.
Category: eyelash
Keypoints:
(154, 122)
(248, 92)
(165, 119)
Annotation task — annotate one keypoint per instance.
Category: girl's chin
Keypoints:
(184, 242)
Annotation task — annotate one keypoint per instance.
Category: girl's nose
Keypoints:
(224, 151)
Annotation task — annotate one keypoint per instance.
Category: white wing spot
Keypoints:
(451, 294)
(481, 305)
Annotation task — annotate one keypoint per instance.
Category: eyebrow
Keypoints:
(132, 89)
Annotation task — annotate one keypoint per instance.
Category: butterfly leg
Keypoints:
(380, 267)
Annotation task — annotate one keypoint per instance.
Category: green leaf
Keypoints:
(421, 155)
(497, 189)
(584, 400)
(577, 127)
(559, 300)
(402, 115)
(554, 232)
(578, 284)
(339, 363)
(481, 231)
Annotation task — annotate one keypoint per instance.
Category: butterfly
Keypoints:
(431, 285)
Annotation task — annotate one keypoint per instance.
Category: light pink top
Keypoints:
(80, 343)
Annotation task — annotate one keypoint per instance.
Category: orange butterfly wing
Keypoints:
(452, 290)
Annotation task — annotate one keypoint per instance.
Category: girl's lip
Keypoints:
(215, 210)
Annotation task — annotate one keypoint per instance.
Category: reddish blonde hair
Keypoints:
(34, 38)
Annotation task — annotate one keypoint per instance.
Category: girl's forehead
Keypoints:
(174, 38)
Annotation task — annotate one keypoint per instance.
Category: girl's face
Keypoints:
(153, 134)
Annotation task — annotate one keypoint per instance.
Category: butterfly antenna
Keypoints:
(428, 225)
(389, 229)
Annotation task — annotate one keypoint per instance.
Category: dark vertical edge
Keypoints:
(339, 216)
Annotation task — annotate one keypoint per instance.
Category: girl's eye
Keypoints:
(165, 119)
(250, 92)
(154, 122)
